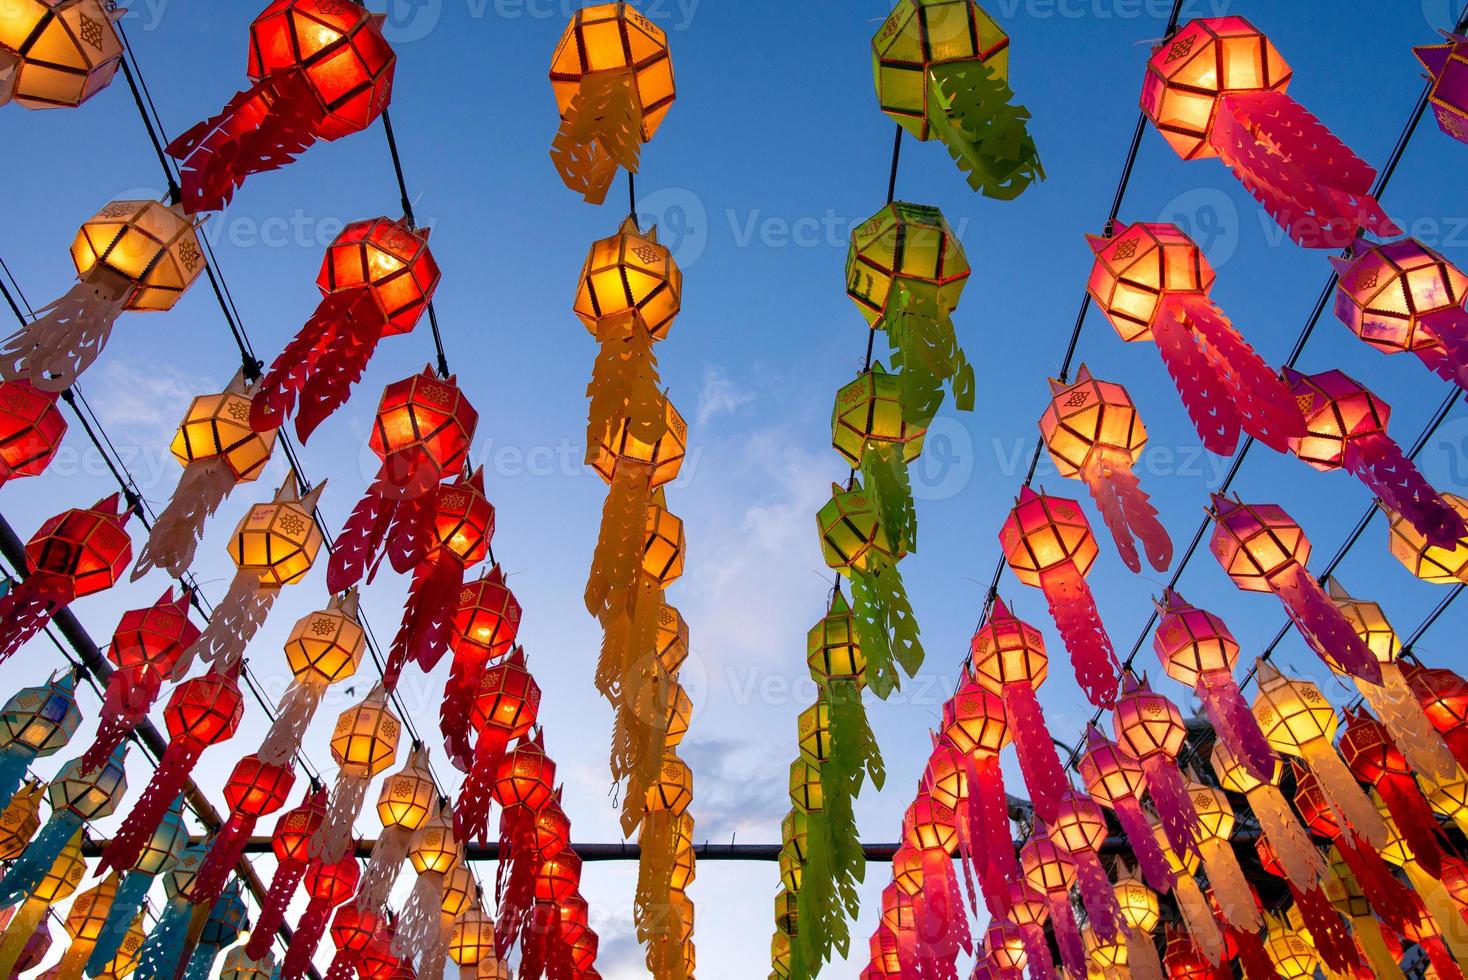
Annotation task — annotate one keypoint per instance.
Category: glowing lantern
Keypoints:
(1183, 959)
(422, 433)
(434, 853)
(1007, 658)
(1292, 954)
(931, 829)
(1300, 722)
(1404, 296)
(291, 844)
(1150, 728)
(1443, 697)
(329, 885)
(483, 629)
(1049, 871)
(1007, 952)
(1116, 780)
(1199, 918)
(146, 648)
(83, 923)
(630, 272)
(1093, 433)
(31, 429)
(57, 53)
(1152, 281)
(404, 804)
(524, 786)
(504, 709)
(1231, 888)
(20, 820)
(353, 930)
(1263, 550)
(1198, 651)
(473, 938)
(680, 717)
(667, 863)
(128, 955)
(1140, 915)
(1048, 545)
(254, 789)
(1297, 855)
(321, 70)
(1444, 64)
(34, 723)
(1346, 427)
(1373, 757)
(1216, 88)
(1431, 563)
(201, 712)
(613, 81)
(59, 880)
(1079, 829)
(363, 744)
(273, 546)
(134, 255)
(870, 432)
(1320, 918)
(942, 72)
(239, 965)
(76, 553)
(218, 449)
(162, 853)
(323, 647)
(905, 271)
(1109, 956)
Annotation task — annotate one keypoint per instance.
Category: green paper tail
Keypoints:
(926, 353)
(884, 474)
(828, 899)
(870, 614)
(907, 644)
(974, 115)
(854, 748)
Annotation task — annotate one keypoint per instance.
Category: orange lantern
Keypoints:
(324, 647)
(1298, 857)
(631, 272)
(291, 844)
(505, 708)
(975, 729)
(255, 789)
(363, 744)
(1440, 565)
(1049, 871)
(1079, 829)
(57, 53)
(1150, 728)
(31, 428)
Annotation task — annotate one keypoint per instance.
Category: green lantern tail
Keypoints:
(925, 350)
(828, 898)
(884, 474)
(907, 645)
(870, 612)
(854, 748)
(973, 113)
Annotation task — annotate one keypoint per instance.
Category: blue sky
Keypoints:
(773, 152)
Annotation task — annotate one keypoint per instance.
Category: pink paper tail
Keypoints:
(1044, 777)
(222, 859)
(1074, 609)
(283, 887)
(1325, 627)
(1449, 359)
(1097, 894)
(1038, 951)
(1067, 933)
(125, 704)
(943, 925)
(1266, 408)
(168, 781)
(1379, 463)
(1153, 862)
(1127, 510)
(304, 940)
(1230, 714)
(1332, 938)
(986, 788)
(1204, 395)
(28, 607)
(515, 881)
(1313, 185)
(966, 851)
(1170, 796)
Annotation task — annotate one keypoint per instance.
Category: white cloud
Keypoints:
(721, 395)
(142, 399)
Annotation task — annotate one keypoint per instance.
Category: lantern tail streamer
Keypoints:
(1231, 889)
(1450, 355)
(28, 918)
(1324, 626)
(292, 718)
(1150, 859)
(984, 130)
(601, 131)
(423, 635)
(15, 762)
(939, 907)
(29, 606)
(988, 819)
(1142, 958)
(926, 353)
(22, 877)
(1207, 400)
(1127, 510)
(854, 749)
(394, 517)
(1313, 185)
(1393, 901)
(163, 950)
(320, 364)
(176, 532)
(1201, 924)
(614, 565)
(330, 842)
(1328, 929)
(1397, 706)
(1254, 960)
(132, 891)
(1386, 470)
(471, 807)
(1441, 958)
(1298, 855)
(1043, 774)
(640, 732)
(223, 858)
(417, 935)
(1037, 951)
(515, 880)
(625, 386)
(1352, 807)
(1174, 806)
(305, 940)
(659, 841)
(458, 695)
(885, 624)
(1235, 723)
(67, 336)
(283, 887)
(884, 474)
(1073, 608)
(1415, 819)
(167, 783)
(1067, 933)
(129, 695)
(1097, 895)
(233, 624)
(834, 867)
(263, 128)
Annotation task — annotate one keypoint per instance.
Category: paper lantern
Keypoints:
(1444, 65)
(975, 727)
(613, 82)
(363, 744)
(146, 648)
(35, 722)
(1152, 281)
(1116, 780)
(1263, 550)
(83, 923)
(434, 853)
(1203, 923)
(942, 72)
(57, 53)
(1049, 871)
(1007, 952)
(524, 786)
(1216, 88)
(227, 918)
(1231, 888)
(1368, 749)
(1346, 428)
(1443, 697)
(905, 271)
(20, 820)
(1431, 563)
(630, 272)
(1093, 433)
(505, 708)
(125, 962)
(329, 885)
(323, 648)
(1150, 728)
(421, 433)
(1300, 722)
(321, 71)
(931, 829)
(1198, 651)
(1292, 954)
(870, 432)
(353, 931)
(218, 449)
(76, 553)
(161, 854)
(254, 789)
(1079, 829)
(60, 879)
(201, 712)
(1298, 857)
(1333, 939)
(1137, 902)
(133, 255)
(1184, 960)
(377, 279)
(291, 844)
(239, 965)
(483, 629)
(1048, 544)
(31, 429)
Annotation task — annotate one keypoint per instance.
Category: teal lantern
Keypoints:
(35, 722)
(160, 854)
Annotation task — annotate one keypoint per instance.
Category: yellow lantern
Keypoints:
(83, 923)
(780, 955)
(680, 717)
(869, 410)
(460, 891)
(363, 743)
(472, 938)
(662, 556)
(1431, 563)
(61, 879)
(217, 427)
(1449, 798)
(327, 645)
(922, 34)
(833, 650)
(912, 243)
(1292, 954)
(672, 641)
(151, 247)
(630, 272)
(434, 850)
(793, 832)
(619, 448)
(790, 869)
(1110, 955)
(813, 727)
(20, 820)
(129, 953)
(60, 52)
(1138, 903)
(673, 791)
(685, 869)
(277, 542)
(805, 787)
(409, 796)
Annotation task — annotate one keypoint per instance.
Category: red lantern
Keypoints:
(1150, 728)
(1374, 759)
(145, 648)
(322, 70)
(201, 712)
(421, 434)
(484, 629)
(1444, 699)
(559, 878)
(255, 789)
(1331, 934)
(74, 554)
(975, 725)
(505, 708)
(524, 785)
(1080, 829)
(1184, 962)
(1152, 281)
(329, 885)
(1263, 550)
(1346, 428)
(31, 427)
(378, 278)
(931, 829)
(291, 844)
(1049, 871)
(1198, 651)
(354, 931)
(1116, 780)
(1216, 88)
(1049, 545)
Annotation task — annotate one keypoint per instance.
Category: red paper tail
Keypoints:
(1037, 951)
(1441, 958)
(1150, 858)
(1325, 627)
(942, 923)
(1314, 185)
(1067, 933)
(458, 694)
(1038, 762)
(1379, 463)
(1266, 409)
(1174, 807)
(168, 781)
(28, 607)
(394, 516)
(1450, 357)
(222, 859)
(263, 128)
(1097, 895)
(1074, 610)
(433, 599)
(1392, 900)
(516, 879)
(304, 940)
(1128, 512)
(1415, 818)
(343, 967)
(130, 693)
(1230, 714)
(471, 809)
(1253, 958)
(1205, 396)
(993, 845)
(283, 885)
(1328, 929)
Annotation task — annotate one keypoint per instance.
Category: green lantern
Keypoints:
(832, 650)
(870, 432)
